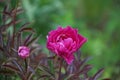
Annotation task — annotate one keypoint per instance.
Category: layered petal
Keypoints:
(64, 42)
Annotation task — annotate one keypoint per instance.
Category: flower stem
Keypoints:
(26, 65)
(60, 67)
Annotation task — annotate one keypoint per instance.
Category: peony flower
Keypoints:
(23, 52)
(64, 42)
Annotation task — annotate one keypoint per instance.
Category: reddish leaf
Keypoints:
(13, 68)
(6, 72)
(1, 39)
(32, 40)
(27, 39)
(85, 69)
(27, 29)
(17, 11)
(24, 28)
(18, 66)
(98, 74)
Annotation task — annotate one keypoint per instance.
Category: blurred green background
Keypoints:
(98, 20)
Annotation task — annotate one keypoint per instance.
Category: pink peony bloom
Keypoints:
(64, 42)
(23, 52)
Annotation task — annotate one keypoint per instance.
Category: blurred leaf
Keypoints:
(26, 29)
(9, 60)
(13, 68)
(47, 71)
(6, 72)
(30, 69)
(50, 63)
(17, 11)
(85, 69)
(97, 75)
(8, 42)
(18, 66)
(39, 58)
(32, 40)
(27, 39)
(1, 48)
(68, 77)
(1, 40)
